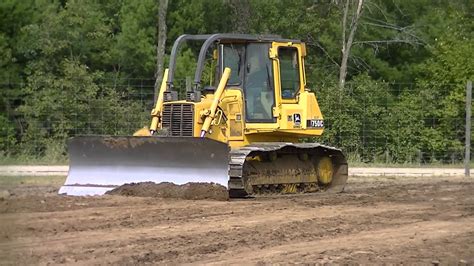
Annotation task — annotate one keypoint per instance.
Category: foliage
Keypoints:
(7, 131)
(355, 117)
(66, 65)
(133, 52)
(448, 64)
(70, 103)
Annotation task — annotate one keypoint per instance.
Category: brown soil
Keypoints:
(189, 191)
(377, 220)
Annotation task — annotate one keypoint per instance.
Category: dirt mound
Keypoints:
(191, 191)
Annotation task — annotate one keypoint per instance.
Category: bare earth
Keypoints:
(378, 219)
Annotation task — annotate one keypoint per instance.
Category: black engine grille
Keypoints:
(178, 119)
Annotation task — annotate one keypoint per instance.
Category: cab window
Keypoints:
(258, 85)
(233, 59)
(289, 72)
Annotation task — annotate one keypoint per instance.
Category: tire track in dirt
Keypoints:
(258, 238)
(377, 220)
(383, 239)
(220, 232)
(216, 222)
(176, 238)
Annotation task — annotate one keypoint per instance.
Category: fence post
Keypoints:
(467, 156)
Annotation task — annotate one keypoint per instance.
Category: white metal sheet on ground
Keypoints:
(83, 190)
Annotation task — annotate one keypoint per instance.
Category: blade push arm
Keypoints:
(156, 112)
(211, 113)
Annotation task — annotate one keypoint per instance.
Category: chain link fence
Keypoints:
(388, 123)
(396, 123)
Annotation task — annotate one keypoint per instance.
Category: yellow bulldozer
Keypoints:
(243, 129)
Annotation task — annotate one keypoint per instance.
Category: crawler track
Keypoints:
(282, 168)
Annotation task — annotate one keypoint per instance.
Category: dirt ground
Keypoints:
(377, 220)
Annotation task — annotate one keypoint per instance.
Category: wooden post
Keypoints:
(467, 156)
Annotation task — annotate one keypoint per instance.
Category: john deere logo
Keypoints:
(297, 119)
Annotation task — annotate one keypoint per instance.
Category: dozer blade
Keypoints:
(99, 164)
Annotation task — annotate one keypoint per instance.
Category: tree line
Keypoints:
(393, 70)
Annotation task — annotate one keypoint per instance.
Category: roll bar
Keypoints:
(208, 41)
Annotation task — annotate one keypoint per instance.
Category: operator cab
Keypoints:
(268, 70)
(253, 73)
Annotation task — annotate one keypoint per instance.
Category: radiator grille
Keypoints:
(178, 119)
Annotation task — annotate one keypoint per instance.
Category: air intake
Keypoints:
(178, 119)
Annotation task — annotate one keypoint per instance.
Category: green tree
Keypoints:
(133, 49)
(354, 116)
(69, 52)
(442, 79)
(405, 126)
